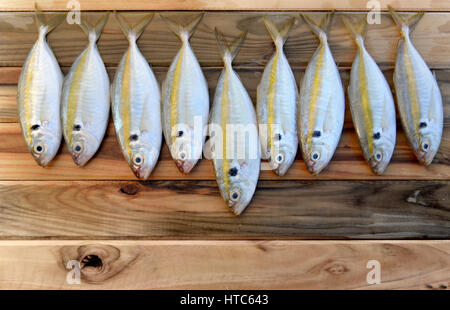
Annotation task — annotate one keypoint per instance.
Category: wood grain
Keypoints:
(108, 163)
(195, 210)
(224, 264)
(159, 46)
(409, 5)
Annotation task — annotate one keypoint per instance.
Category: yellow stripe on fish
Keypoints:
(29, 96)
(315, 94)
(412, 90)
(225, 111)
(271, 99)
(175, 90)
(125, 99)
(367, 111)
(74, 93)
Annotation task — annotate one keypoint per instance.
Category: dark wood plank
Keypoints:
(159, 45)
(195, 210)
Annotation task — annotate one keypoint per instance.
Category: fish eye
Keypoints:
(35, 127)
(315, 156)
(279, 159)
(38, 148)
(182, 155)
(235, 195)
(78, 148)
(378, 156)
(138, 159)
(425, 146)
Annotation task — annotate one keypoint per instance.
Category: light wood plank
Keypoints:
(195, 210)
(410, 5)
(159, 45)
(225, 264)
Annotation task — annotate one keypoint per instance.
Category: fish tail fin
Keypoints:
(357, 31)
(48, 25)
(229, 51)
(323, 28)
(401, 22)
(133, 33)
(279, 36)
(95, 31)
(183, 32)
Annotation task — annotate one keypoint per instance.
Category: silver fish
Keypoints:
(38, 96)
(185, 101)
(234, 136)
(419, 100)
(371, 104)
(85, 99)
(322, 102)
(277, 104)
(136, 107)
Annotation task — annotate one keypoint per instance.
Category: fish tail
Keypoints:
(323, 28)
(133, 33)
(41, 21)
(183, 32)
(229, 51)
(95, 31)
(357, 31)
(409, 23)
(279, 36)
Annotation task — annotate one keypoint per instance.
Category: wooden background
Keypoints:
(174, 231)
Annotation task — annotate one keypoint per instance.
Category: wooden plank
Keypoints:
(409, 5)
(195, 210)
(159, 45)
(108, 164)
(224, 265)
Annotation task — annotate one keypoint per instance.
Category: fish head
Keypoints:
(241, 187)
(184, 151)
(317, 156)
(283, 154)
(428, 145)
(142, 161)
(82, 147)
(380, 156)
(44, 144)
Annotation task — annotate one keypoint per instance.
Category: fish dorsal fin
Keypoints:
(279, 36)
(324, 26)
(401, 22)
(42, 22)
(94, 32)
(229, 51)
(133, 33)
(183, 32)
(358, 32)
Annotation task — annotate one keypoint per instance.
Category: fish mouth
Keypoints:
(142, 173)
(41, 161)
(313, 167)
(185, 166)
(80, 160)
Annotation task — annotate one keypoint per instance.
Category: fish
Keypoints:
(419, 100)
(322, 102)
(85, 98)
(39, 93)
(234, 142)
(276, 104)
(371, 104)
(185, 101)
(135, 99)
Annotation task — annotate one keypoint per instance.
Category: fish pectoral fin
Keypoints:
(435, 112)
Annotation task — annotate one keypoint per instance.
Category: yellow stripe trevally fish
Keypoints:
(322, 102)
(276, 105)
(185, 101)
(136, 107)
(85, 99)
(371, 104)
(233, 127)
(38, 96)
(419, 100)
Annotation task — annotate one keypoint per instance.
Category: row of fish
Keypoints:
(77, 106)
